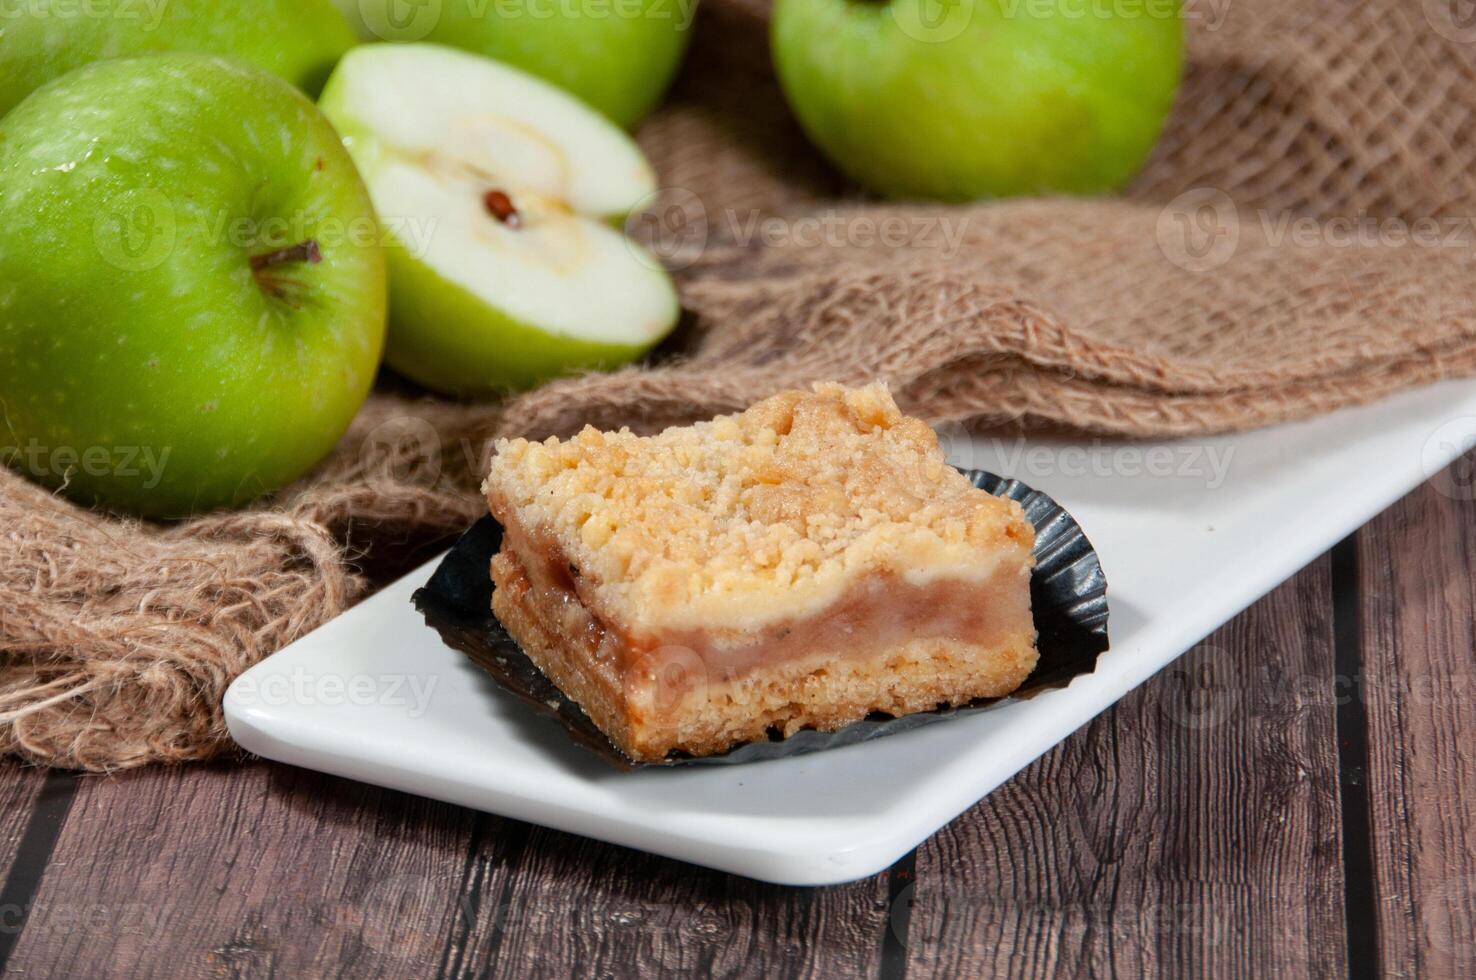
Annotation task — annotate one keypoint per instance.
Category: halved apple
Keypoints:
(500, 197)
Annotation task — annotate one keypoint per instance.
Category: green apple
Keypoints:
(44, 39)
(617, 55)
(963, 99)
(499, 195)
(192, 289)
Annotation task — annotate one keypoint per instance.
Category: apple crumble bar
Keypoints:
(801, 564)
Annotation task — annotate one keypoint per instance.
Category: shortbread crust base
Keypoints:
(667, 701)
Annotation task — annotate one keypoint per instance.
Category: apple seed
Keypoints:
(500, 206)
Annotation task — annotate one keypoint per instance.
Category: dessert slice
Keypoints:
(801, 564)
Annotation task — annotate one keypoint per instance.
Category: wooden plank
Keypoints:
(571, 906)
(31, 804)
(1191, 830)
(20, 789)
(246, 871)
(1418, 689)
(264, 870)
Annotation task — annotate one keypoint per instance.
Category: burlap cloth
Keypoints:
(1300, 241)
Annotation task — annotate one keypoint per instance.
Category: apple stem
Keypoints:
(500, 206)
(307, 251)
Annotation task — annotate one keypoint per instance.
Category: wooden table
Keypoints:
(1293, 797)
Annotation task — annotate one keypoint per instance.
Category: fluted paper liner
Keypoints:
(1068, 594)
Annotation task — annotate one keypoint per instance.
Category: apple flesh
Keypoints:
(192, 291)
(617, 55)
(300, 40)
(963, 99)
(499, 194)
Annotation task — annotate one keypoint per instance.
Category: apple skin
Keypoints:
(300, 40)
(969, 99)
(617, 55)
(441, 353)
(134, 195)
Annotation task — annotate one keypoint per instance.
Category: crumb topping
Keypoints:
(753, 517)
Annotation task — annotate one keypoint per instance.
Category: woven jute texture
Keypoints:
(1300, 241)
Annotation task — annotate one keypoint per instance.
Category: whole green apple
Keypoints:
(192, 289)
(963, 99)
(617, 55)
(499, 194)
(44, 39)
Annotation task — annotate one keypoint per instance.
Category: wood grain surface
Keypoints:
(1293, 798)
(1193, 828)
(1418, 692)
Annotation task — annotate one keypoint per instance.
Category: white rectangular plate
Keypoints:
(1190, 532)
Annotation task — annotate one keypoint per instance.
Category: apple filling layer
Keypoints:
(883, 646)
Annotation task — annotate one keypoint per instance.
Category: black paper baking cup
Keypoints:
(1068, 593)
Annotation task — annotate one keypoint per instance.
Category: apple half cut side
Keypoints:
(500, 197)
